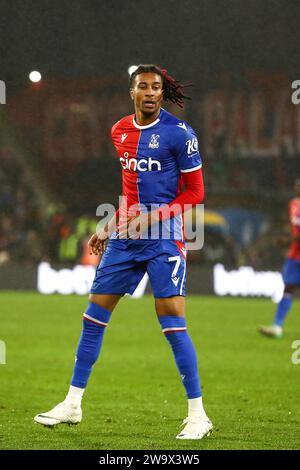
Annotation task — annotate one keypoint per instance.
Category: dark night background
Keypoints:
(194, 39)
(57, 162)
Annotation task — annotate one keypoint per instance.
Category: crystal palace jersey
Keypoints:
(152, 159)
(294, 211)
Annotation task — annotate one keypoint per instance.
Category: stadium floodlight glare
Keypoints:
(132, 69)
(35, 76)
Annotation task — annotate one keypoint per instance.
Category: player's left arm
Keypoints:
(189, 163)
(193, 195)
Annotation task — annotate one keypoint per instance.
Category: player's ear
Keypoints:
(131, 91)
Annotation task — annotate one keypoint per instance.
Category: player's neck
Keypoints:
(145, 119)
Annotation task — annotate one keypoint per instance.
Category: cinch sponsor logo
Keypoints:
(142, 164)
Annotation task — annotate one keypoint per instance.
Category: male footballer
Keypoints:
(162, 177)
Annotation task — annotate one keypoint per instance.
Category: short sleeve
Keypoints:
(187, 149)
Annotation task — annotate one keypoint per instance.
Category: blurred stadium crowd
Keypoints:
(249, 138)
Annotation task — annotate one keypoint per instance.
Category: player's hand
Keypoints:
(128, 228)
(97, 243)
(133, 227)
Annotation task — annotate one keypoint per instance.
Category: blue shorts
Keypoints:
(291, 272)
(125, 262)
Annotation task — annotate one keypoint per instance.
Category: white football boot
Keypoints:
(64, 412)
(273, 331)
(196, 428)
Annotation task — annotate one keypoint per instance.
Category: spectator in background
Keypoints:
(20, 223)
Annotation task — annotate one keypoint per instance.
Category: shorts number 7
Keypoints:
(174, 277)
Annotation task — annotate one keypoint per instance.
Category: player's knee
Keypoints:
(108, 302)
(173, 306)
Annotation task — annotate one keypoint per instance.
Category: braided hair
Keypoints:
(172, 88)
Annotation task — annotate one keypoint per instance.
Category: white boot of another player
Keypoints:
(273, 331)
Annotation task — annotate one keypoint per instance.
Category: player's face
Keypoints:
(297, 187)
(147, 93)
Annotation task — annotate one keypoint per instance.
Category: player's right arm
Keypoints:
(97, 241)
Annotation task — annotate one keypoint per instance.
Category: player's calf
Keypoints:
(197, 423)
(95, 320)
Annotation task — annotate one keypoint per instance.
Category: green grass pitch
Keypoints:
(135, 399)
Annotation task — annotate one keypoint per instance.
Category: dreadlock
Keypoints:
(172, 88)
